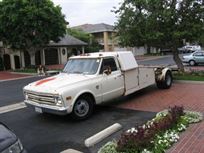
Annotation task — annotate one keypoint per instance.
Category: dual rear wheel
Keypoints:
(167, 82)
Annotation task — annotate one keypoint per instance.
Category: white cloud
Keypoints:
(88, 11)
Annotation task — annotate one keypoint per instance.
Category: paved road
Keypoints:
(45, 133)
(166, 60)
(11, 91)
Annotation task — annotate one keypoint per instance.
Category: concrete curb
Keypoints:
(70, 151)
(188, 81)
(102, 135)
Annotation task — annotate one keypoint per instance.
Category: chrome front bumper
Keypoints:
(47, 108)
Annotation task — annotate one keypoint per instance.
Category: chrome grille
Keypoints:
(41, 99)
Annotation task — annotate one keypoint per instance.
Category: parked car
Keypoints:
(9, 142)
(194, 58)
(190, 48)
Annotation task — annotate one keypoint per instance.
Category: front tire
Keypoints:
(83, 108)
(167, 82)
(192, 63)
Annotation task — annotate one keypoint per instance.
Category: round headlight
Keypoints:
(58, 101)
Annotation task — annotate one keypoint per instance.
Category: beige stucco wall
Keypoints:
(106, 39)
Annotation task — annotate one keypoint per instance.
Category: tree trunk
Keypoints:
(32, 56)
(32, 59)
(148, 49)
(177, 60)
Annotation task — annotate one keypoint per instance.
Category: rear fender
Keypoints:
(161, 73)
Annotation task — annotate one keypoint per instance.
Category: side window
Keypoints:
(108, 62)
(198, 54)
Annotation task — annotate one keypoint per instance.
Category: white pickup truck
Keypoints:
(91, 79)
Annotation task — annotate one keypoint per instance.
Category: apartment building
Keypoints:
(104, 34)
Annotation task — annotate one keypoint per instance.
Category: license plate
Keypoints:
(39, 110)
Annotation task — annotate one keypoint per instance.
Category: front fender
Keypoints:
(78, 95)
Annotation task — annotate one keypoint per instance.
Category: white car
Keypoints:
(194, 58)
(191, 48)
(92, 79)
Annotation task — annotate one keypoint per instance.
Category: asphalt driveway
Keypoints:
(12, 91)
(47, 133)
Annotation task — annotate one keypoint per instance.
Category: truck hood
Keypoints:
(51, 84)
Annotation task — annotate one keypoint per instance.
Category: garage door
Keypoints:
(1, 64)
(51, 56)
(7, 62)
(27, 59)
(17, 62)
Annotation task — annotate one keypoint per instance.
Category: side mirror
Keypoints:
(107, 71)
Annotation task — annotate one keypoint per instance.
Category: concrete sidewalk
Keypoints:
(190, 95)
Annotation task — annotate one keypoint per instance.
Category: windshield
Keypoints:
(82, 66)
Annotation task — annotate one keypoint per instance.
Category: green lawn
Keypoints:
(26, 71)
(186, 76)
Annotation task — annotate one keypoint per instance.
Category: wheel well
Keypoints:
(87, 94)
(191, 60)
(168, 71)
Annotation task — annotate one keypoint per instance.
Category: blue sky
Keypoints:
(88, 11)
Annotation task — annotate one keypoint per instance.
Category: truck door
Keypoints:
(112, 83)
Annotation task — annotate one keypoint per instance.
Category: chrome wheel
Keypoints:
(192, 63)
(81, 108)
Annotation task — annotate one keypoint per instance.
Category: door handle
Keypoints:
(119, 76)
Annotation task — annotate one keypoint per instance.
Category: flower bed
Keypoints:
(156, 135)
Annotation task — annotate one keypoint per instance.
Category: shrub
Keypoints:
(156, 135)
(193, 117)
(176, 112)
(141, 137)
(110, 147)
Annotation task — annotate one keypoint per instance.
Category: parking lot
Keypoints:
(42, 133)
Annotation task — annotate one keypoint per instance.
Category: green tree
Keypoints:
(201, 40)
(79, 34)
(93, 45)
(160, 23)
(30, 24)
